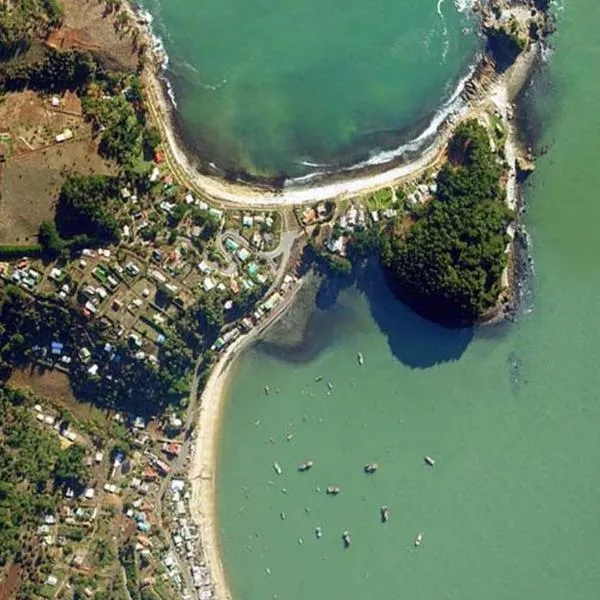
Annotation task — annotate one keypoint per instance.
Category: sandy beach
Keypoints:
(202, 473)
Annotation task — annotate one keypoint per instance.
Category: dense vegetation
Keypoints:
(21, 21)
(84, 209)
(46, 69)
(120, 118)
(32, 466)
(450, 262)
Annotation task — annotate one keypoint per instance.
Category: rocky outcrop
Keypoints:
(525, 166)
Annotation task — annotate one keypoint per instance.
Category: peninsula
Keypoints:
(131, 281)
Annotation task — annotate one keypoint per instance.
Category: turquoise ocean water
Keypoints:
(511, 415)
(273, 87)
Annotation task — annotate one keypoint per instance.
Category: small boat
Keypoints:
(418, 540)
(319, 533)
(267, 390)
(346, 539)
(305, 466)
(360, 358)
(329, 385)
(282, 515)
(277, 468)
(385, 514)
(429, 461)
(319, 378)
(333, 490)
(371, 467)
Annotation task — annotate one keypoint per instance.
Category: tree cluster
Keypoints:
(84, 209)
(449, 264)
(22, 22)
(32, 465)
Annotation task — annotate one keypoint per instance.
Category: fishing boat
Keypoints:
(429, 461)
(277, 468)
(360, 358)
(385, 514)
(371, 467)
(346, 539)
(418, 540)
(333, 490)
(305, 466)
(319, 533)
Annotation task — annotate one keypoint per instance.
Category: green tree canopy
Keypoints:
(84, 208)
(449, 264)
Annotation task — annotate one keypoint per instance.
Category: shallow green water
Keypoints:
(274, 87)
(512, 418)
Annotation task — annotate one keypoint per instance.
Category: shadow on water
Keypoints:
(413, 340)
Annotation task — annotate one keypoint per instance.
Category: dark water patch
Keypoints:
(535, 104)
(311, 326)
(413, 340)
(308, 327)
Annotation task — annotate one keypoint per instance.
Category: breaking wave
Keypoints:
(448, 110)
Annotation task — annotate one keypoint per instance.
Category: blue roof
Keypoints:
(160, 339)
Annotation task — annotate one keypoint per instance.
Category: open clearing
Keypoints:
(36, 165)
(88, 27)
(29, 186)
(55, 386)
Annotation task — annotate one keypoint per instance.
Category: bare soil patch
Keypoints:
(31, 121)
(56, 387)
(88, 26)
(30, 183)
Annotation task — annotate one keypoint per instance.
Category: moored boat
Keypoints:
(346, 539)
(430, 462)
(305, 466)
(360, 359)
(418, 539)
(319, 533)
(385, 514)
(371, 467)
(333, 490)
(277, 468)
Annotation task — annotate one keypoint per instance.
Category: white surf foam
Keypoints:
(464, 5)
(449, 108)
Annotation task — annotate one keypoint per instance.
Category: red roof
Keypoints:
(158, 157)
